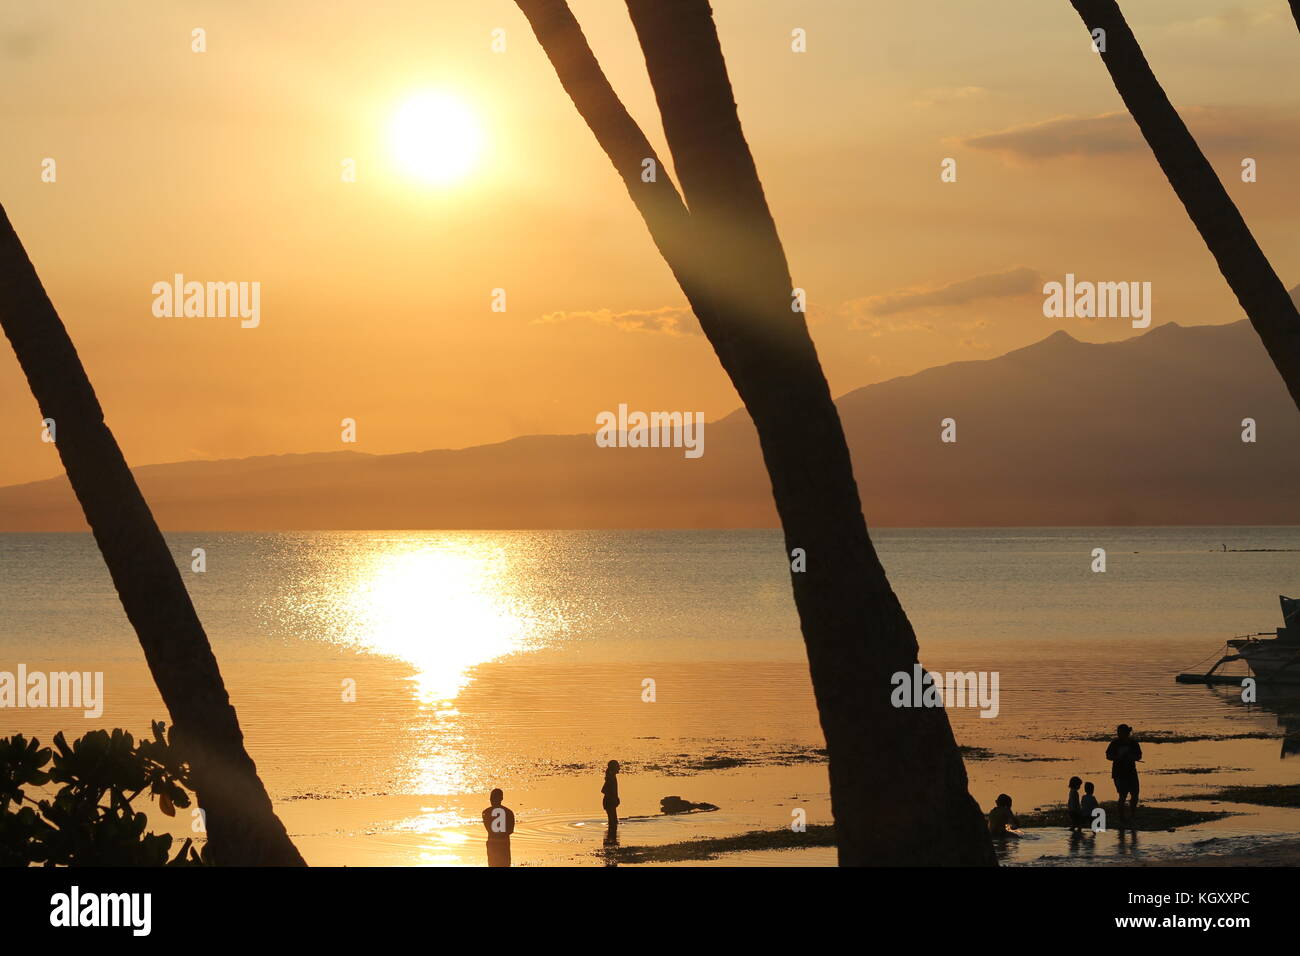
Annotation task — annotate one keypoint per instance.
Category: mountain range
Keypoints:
(1144, 431)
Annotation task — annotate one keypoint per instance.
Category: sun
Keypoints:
(436, 137)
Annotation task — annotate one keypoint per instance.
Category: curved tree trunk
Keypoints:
(898, 786)
(242, 826)
(1261, 293)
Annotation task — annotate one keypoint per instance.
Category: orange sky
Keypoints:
(375, 295)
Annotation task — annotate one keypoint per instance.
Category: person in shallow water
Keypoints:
(499, 821)
(1089, 803)
(1124, 753)
(1074, 806)
(1002, 822)
(610, 800)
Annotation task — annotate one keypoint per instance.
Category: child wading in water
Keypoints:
(1077, 820)
(1002, 822)
(610, 800)
(1089, 802)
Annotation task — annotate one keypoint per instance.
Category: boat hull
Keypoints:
(1273, 661)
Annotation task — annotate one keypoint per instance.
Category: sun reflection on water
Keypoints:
(421, 613)
(444, 607)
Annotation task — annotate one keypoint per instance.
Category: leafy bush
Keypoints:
(90, 820)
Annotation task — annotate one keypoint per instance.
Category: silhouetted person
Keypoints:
(610, 800)
(1088, 803)
(1124, 754)
(1002, 822)
(499, 821)
(1073, 805)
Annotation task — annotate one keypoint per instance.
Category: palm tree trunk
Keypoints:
(898, 786)
(241, 824)
(1261, 293)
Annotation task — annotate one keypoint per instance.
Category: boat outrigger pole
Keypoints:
(1209, 677)
(1270, 655)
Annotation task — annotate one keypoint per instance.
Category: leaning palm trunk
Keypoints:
(898, 786)
(1261, 293)
(241, 824)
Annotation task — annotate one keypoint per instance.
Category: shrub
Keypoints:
(90, 821)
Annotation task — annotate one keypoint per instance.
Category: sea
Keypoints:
(386, 681)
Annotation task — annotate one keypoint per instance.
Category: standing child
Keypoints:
(610, 799)
(1074, 807)
(1089, 802)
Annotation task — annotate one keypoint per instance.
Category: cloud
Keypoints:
(947, 94)
(1063, 136)
(866, 313)
(1246, 130)
(1234, 19)
(878, 327)
(670, 320)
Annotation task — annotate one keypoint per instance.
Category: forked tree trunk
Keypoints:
(241, 825)
(898, 785)
(1257, 287)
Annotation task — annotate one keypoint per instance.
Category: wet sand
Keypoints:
(386, 781)
(1281, 853)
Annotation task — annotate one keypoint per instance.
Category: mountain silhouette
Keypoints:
(1147, 430)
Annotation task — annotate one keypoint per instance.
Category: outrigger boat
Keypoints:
(1273, 656)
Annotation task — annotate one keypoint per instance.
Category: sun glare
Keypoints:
(436, 137)
(444, 609)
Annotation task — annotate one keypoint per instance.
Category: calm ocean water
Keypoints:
(657, 594)
(478, 657)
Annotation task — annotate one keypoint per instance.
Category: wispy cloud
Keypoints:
(1063, 136)
(1249, 129)
(869, 313)
(1234, 19)
(947, 94)
(669, 320)
(877, 326)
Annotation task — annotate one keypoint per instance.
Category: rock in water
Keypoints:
(678, 805)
